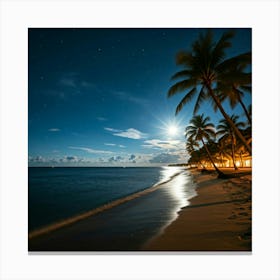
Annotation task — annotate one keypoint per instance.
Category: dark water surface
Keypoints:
(58, 193)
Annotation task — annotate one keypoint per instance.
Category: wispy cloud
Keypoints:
(76, 82)
(91, 151)
(122, 146)
(101, 119)
(131, 98)
(68, 82)
(131, 133)
(112, 129)
(169, 145)
(54, 129)
(109, 144)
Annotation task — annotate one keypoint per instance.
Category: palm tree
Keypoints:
(191, 145)
(233, 89)
(226, 131)
(200, 129)
(249, 110)
(205, 66)
(195, 154)
(221, 147)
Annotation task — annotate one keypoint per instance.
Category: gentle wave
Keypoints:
(74, 219)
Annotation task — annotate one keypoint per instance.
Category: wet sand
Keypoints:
(218, 219)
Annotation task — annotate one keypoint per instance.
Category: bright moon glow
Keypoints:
(172, 130)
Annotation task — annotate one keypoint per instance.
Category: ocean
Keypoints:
(56, 194)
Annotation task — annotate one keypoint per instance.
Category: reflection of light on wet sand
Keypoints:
(180, 190)
(167, 172)
(177, 190)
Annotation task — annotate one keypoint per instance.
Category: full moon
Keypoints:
(172, 130)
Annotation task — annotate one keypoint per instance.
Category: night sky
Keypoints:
(98, 97)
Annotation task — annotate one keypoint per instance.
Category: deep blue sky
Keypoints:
(99, 96)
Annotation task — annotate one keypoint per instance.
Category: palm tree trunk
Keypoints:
(220, 173)
(222, 159)
(233, 152)
(241, 159)
(202, 165)
(236, 130)
(245, 110)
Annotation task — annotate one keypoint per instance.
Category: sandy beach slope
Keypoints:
(219, 218)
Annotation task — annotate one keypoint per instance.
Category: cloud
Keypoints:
(165, 158)
(101, 119)
(130, 133)
(132, 157)
(115, 159)
(91, 151)
(159, 144)
(72, 80)
(114, 145)
(109, 144)
(71, 158)
(88, 85)
(54, 93)
(37, 159)
(69, 79)
(54, 129)
(129, 97)
(112, 129)
(68, 82)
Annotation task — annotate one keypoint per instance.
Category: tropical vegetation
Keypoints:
(208, 75)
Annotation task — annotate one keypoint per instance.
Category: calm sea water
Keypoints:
(59, 193)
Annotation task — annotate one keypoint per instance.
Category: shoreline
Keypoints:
(218, 218)
(84, 215)
(125, 227)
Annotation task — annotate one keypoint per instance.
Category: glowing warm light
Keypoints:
(172, 130)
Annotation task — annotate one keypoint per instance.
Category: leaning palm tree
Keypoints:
(200, 129)
(191, 145)
(222, 150)
(233, 89)
(226, 131)
(204, 66)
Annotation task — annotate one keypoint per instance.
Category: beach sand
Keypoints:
(218, 219)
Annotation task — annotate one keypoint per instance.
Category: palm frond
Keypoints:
(181, 86)
(181, 74)
(184, 58)
(246, 88)
(237, 78)
(219, 49)
(234, 62)
(187, 98)
(202, 96)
